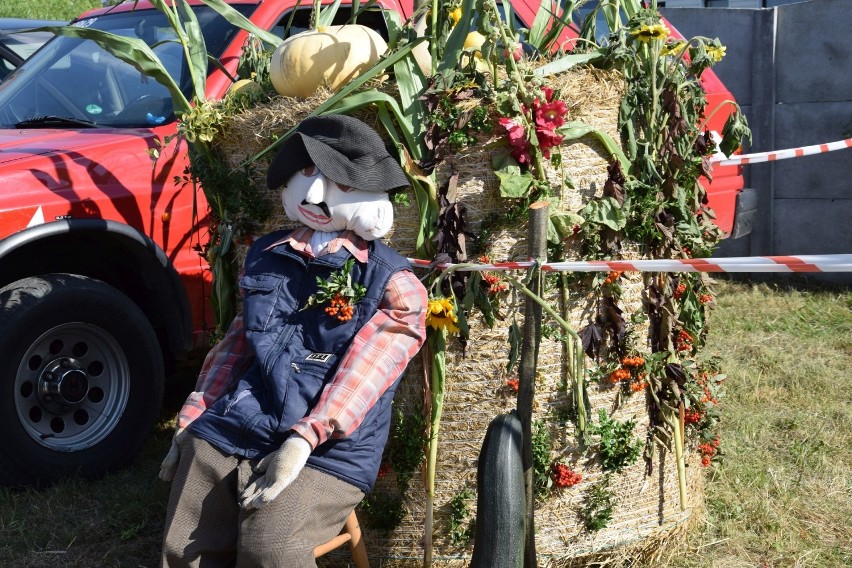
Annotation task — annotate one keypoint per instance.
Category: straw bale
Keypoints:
(647, 513)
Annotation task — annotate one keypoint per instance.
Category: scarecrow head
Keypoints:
(336, 174)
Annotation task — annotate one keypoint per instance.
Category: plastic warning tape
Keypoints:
(789, 264)
(782, 154)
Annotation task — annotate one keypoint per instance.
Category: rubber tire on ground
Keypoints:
(501, 498)
(52, 308)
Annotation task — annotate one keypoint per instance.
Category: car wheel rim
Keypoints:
(71, 387)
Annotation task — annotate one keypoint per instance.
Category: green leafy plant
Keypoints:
(384, 511)
(616, 448)
(406, 446)
(598, 503)
(461, 526)
(542, 444)
(337, 288)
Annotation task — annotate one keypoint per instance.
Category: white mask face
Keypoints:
(314, 200)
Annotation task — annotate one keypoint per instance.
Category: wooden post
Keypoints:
(537, 250)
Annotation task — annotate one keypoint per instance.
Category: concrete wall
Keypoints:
(790, 68)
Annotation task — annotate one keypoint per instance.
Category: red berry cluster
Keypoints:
(708, 451)
(339, 306)
(639, 384)
(612, 277)
(620, 374)
(495, 285)
(681, 288)
(512, 385)
(708, 394)
(628, 372)
(705, 298)
(692, 416)
(564, 476)
(684, 341)
(384, 469)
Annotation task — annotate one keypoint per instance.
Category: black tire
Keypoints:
(501, 498)
(81, 379)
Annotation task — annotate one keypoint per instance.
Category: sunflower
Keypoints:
(651, 32)
(442, 315)
(672, 48)
(716, 53)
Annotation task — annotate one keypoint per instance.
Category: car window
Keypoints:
(73, 78)
(301, 18)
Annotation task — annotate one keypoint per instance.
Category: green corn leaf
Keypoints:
(234, 17)
(364, 98)
(195, 48)
(574, 130)
(455, 42)
(327, 14)
(133, 51)
(567, 61)
(539, 25)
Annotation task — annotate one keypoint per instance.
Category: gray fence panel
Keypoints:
(813, 226)
(813, 54)
(827, 176)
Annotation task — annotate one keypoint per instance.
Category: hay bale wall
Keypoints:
(647, 511)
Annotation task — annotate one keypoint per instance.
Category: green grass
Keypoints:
(46, 9)
(782, 496)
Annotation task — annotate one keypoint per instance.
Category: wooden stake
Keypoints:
(537, 249)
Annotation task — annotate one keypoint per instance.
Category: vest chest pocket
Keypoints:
(325, 333)
(260, 300)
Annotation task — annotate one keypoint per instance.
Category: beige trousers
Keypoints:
(206, 528)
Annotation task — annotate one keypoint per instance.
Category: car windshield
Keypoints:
(20, 44)
(76, 79)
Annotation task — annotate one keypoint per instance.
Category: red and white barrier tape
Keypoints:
(758, 157)
(789, 264)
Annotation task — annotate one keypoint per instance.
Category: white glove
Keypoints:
(281, 466)
(169, 465)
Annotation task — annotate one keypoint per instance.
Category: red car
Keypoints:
(101, 284)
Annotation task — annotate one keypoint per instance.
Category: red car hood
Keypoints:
(18, 144)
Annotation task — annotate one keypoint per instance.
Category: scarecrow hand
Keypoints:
(282, 467)
(169, 465)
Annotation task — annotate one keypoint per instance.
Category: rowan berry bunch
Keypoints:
(612, 277)
(702, 391)
(708, 451)
(564, 476)
(493, 283)
(339, 306)
(339, 294)
(631, 373)
(684, 341)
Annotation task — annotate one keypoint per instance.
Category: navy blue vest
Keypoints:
(297, 353)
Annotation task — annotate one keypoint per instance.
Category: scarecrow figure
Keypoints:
(285, 432)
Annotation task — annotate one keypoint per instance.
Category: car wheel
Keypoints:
(81, 379)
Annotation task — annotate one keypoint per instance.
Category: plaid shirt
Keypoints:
(378, 355)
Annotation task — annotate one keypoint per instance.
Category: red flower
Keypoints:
(550, 115)
(517, 139)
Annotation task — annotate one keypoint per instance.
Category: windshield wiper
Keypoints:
(51, 121)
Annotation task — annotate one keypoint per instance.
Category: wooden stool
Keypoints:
(351, 533)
